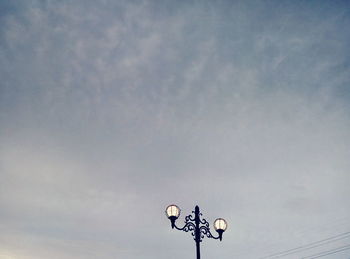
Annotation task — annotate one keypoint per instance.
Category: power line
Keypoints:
(309, 246)
(329, 252)
(338, 224)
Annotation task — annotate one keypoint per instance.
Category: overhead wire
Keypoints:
(309, 246)
(265, 247)
(328, 252)
(339, 223)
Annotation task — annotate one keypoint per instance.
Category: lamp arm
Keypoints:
(189, 226)
(205, 231)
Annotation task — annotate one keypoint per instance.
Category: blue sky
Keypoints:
(111, 110)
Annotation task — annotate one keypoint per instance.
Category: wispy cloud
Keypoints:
(111, 110)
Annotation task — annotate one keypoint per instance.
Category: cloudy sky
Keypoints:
(111, 110)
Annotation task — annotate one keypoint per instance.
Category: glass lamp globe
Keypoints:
(220, 225)
(172, 211)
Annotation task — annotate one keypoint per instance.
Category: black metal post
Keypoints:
(197, 232)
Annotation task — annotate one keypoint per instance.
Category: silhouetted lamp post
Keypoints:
(199, 227)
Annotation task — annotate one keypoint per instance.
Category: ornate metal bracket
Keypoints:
(198, 227)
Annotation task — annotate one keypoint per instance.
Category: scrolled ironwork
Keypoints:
(189, 218)
(189, 226)
(204, 222)
(204, 230)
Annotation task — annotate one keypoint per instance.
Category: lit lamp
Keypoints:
(172, 212)
(220, 226)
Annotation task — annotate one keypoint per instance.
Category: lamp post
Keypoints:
(199, 227)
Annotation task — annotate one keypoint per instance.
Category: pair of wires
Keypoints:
(336, 225)
(328, 252)
(313, 245)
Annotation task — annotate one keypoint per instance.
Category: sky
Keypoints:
(112, 110)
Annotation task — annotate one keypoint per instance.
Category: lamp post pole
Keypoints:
(198, 227)
(197, 231)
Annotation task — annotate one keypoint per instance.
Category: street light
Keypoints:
(198, 227)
